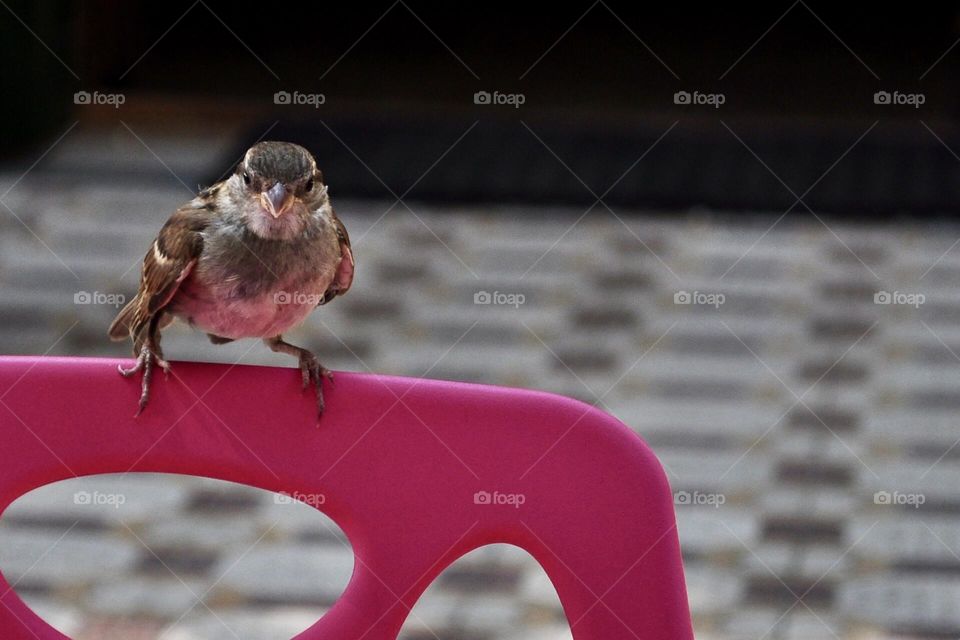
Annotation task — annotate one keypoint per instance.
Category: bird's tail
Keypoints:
(120, 328)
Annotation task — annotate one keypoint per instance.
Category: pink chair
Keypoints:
(416, 473)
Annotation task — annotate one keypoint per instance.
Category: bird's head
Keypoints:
(277, 187)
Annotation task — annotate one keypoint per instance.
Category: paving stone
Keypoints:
(753, 621)
(812, 418)
(814, 472)
(250, 624)
(841, 328)
(702, 370)
(62, 616)
(122, 151)
(435, 610)
(131, 598)
(742, 418)
(536, 590)
(724, 471)
(30, 556)
(935, 481)
(506, 555)
(19, 340)
(782, 331)
(162, 561)
(278, 573)
(298, 520)
(111, 498)
(814, 623)
(708, 343)
(723, 531)
(711, 590)
(487, 614)
(199, 530)
(913, 542)
(901, 601)
(96, 628)
(556, 632)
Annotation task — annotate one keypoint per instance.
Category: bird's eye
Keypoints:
(309, 186)
(246, 178)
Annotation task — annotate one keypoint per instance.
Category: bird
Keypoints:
(249, 257)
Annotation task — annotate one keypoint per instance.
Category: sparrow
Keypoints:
(249, 257)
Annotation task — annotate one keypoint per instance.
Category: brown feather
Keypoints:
(344, 276)
(167, 263)
(120, 328)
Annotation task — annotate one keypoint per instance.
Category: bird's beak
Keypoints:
(276, 200)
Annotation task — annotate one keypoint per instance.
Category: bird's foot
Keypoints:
(145, 361)
(313, 372)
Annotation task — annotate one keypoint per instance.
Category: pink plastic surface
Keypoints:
(398, 461)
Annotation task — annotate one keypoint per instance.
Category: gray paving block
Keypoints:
(32, 556)
(703, 369)
(199, 530)
(111, 498)
(65, 617)
(165, 598)
(737, 419)
(903, 601)
(909, 539)
(553, 632)
(434, 611)
(752, 622)
(726, 530)
(536, 590)
(726, 471)
(813, 564)
(711, 590)
(286, 572)
(249, 624)
(297, 519)
(488, 614)
(823, 502)
(935, 481)
(806, 624)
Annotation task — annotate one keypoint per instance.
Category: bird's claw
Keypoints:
(145, 361)
(312, 371)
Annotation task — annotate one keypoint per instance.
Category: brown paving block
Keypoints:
(119, 629)
(837, 419)
(802, 530)
(814, 472)
(785, 590)
(181, 561)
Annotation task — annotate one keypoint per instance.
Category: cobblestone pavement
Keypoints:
(805, 417)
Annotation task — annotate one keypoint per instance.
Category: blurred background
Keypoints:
(733, 227)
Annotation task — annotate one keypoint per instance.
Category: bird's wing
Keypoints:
(167, 263)
(343, 278)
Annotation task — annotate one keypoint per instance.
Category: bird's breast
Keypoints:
(247, 290)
